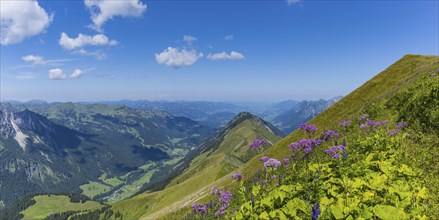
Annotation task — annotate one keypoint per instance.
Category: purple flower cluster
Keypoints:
(368, 123)
(345, 123)
(402, 124)
(329, 134)
(393, 132)
(199, 208)
(286, 161)
(258, 143)
(271, 163)
(224, 200)
(315, 211)
(433, 74)
(334, 151)
(264, 158)
(308, 128)
(237, 176)
(364, 117)
(306, 144)
(381, 123)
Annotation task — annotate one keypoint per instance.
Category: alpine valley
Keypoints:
(111, 151)
(136, 160)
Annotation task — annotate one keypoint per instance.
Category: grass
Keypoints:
(93, 189)
(46, 205)
(203, 170)
(131, 189)
(384, 85)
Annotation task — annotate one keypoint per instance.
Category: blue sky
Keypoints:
(263, 51)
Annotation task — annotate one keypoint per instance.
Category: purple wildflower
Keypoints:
(199, 208)
(286, 161)
(330, 134)
(362, 126)
(393, 132)
(225, 197)
(315, 211)
(308, 128)
(237, 176)
(345, 123)
(345, 155)
(364, 117)
(335, 150)
(271, 163)
(381, 123)
(306, 144)
(264, 158)
(258, 143)
(433, 74)
(370, 122)
(402, 124)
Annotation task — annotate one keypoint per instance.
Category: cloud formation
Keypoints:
(103, 10)
(22, 19)
(229, 37)
(189, 39)
(76, 73)
(177, 58)
(293, 2)
(57, 74)
(225, 56)
(83, 40)
(34, 59)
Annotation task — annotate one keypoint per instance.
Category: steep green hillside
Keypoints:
(386, 96)
(221, 154)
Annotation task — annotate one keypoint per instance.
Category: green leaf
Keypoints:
(388, 212)
(366, 212)
(337, 211)
(264, 215)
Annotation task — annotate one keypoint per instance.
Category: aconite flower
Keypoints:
(315, 211)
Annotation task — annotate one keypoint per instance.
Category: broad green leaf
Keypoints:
(337, 211)
(388, 212)
(264, 215)
(421, 194)
(366, 212)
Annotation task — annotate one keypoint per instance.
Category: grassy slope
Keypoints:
(393, 79)
(204, 169)
(55, 204)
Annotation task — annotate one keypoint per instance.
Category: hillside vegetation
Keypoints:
(399, 168)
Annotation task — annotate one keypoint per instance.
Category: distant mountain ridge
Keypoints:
(80, 143)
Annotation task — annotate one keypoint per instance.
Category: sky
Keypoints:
(255, 51)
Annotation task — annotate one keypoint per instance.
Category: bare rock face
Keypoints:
(6, 119)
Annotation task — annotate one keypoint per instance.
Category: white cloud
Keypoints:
(34, 59)
(177, 58)
(21, 19)
(225, 56)
(76, 73)
(103, 10)
(189, 39)
(83, 40)
(57, 74)
(293, 2)
(229, 37)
